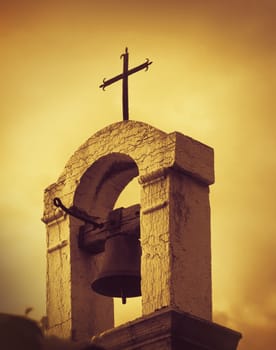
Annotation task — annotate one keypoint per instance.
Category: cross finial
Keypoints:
(124, 77)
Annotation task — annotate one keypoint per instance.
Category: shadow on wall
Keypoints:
(22, 333)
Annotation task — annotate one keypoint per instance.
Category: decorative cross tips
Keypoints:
(124, 77)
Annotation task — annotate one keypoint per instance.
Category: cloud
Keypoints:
(214, 73)
(256, 334)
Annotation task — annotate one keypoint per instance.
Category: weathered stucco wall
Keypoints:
(174, 172)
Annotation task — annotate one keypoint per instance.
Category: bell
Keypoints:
(120, 275)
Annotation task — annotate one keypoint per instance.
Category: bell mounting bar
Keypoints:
(120, 221)
(78, 213)
(92, 235)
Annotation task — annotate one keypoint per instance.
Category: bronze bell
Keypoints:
(120, 274)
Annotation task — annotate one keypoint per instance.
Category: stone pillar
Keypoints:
(175, 232)
(73, 311)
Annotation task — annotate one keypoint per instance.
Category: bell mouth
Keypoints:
(123, 286)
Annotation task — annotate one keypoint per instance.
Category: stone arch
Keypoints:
(150, 149)
(92, 179)
(173, 170)
(103, 181)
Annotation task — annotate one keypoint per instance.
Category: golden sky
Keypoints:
(213, 78)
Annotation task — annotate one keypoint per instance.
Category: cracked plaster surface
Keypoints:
(174, 173)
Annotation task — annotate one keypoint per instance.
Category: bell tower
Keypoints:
(173, 222)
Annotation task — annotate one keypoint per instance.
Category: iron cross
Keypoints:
(124, 77)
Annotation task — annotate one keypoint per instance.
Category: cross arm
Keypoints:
(121, 76)
(142, 66)
(111, 81)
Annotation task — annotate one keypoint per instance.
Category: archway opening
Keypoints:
(110, 183)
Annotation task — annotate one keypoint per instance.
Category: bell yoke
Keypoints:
(118, 237)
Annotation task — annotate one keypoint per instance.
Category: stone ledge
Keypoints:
(169, 329)
(194, 158)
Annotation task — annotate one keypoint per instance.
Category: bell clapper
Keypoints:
(123, 297)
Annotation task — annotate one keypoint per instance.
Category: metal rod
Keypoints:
(125, 86)
(111, 81)
(77, 213)
(138, 68)
(121, 76)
